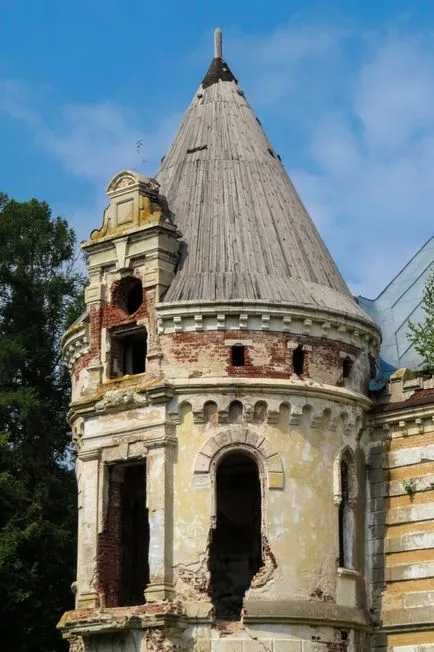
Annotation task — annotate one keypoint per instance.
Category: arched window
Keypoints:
(260, 412)
(128, 294)
(210, 412)
(345, 495)
(134, 298)
(235, 412)
(236, 545)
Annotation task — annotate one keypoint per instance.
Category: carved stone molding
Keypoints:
(236, 437)
(75, 343)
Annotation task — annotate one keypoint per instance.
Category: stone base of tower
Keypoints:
(287, 626)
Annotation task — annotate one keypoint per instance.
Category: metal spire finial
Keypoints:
(218, 44)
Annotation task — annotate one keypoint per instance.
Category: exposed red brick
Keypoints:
(109, 549)
(191, 348)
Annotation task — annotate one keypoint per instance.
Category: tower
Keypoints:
(220, 378)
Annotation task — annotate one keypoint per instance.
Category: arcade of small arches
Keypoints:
(333, 419)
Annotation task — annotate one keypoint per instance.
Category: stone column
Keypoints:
(87, 593)
(159, 491)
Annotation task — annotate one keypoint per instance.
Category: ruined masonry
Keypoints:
(238, 491)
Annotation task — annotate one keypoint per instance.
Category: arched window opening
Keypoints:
(128, 294)
(345, 518)
(128, 351)
(347, 365)
(235, 412)
(210, 412)
(260, 412)
(238, 355)
(134, 297)
(298, 360)
(236, 546)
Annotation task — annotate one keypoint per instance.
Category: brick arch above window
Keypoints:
(236, 437)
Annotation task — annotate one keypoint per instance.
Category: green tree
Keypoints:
(422, 334)
(39, 293)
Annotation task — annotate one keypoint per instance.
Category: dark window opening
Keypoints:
(345, 520)
(298, 360)
(236, 546)
(134, 297)
(238, 355)
(128, 294)
(347, 365)
(134, 566)
(134, 354)
(123, 545)
(128, 351)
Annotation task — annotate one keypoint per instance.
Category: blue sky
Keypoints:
(344, 90)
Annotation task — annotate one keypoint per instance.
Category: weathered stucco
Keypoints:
(237, 491)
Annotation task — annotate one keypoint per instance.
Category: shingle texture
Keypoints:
(246, 233)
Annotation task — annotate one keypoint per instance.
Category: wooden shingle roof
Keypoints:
(246, 233)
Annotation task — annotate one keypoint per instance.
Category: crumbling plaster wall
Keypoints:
(117, 433)
(401, 515)
(303, 509)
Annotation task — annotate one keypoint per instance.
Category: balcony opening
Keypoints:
(298, 360)
(123, 545)
(236, 545)
(238, 355)
(134, 565)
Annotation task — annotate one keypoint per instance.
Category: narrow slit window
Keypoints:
(298, 360)
(345, 519)
(236, 545)
(238, 355)
(347, 365)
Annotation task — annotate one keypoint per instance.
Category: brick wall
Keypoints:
(109, 547)
(199, 354)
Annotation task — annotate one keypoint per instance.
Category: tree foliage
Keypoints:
(422, 334)
(39, 293)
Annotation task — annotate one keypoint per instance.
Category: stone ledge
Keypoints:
(418, 616)
(107, 621)
(259, 315)
(302, 611)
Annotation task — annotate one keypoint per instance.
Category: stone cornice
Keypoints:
(246, 315)
(140, 396)
(409, 413)
(288, 386)
(75, 343)
(304, 612)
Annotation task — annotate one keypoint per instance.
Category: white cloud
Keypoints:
(91, 141)
(364, 105)
(355, 114)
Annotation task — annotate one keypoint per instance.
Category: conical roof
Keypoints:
(246, 233)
